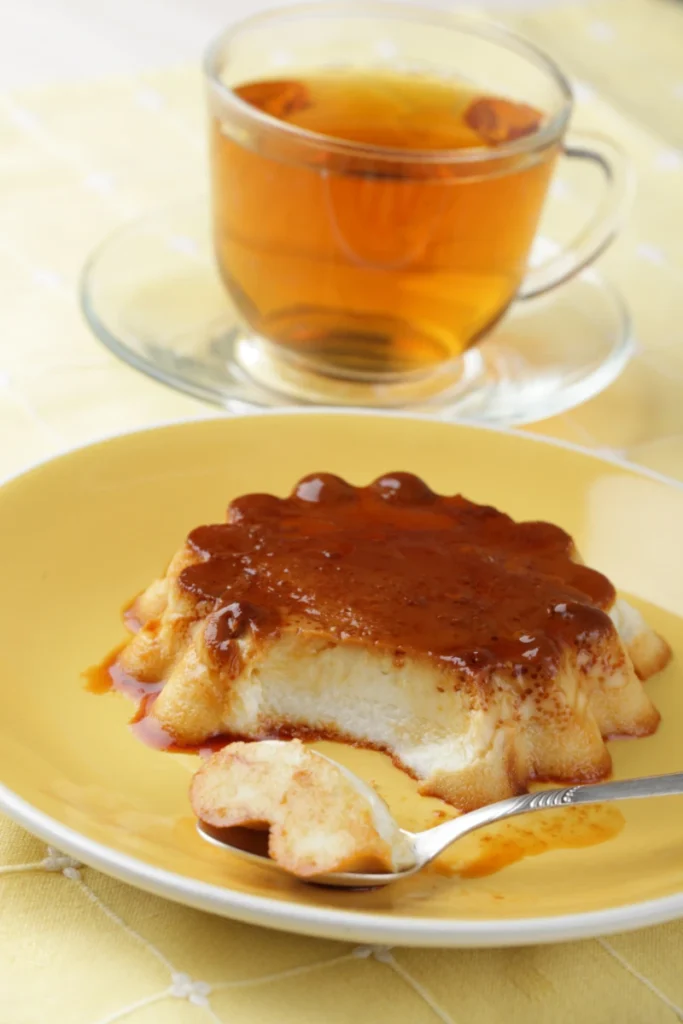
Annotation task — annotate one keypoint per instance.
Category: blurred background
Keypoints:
(46, 40)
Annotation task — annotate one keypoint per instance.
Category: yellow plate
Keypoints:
(81, 534)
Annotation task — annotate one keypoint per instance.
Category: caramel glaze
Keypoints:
(399, 567)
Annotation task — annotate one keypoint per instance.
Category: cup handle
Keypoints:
(597, 234)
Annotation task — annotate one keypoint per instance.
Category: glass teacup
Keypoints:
(379, 174)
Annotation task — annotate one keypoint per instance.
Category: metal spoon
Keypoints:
(429, 844)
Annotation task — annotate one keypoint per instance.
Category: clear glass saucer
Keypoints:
(152, 294)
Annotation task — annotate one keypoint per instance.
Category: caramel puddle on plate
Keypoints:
(98, 678)
(489, 849)
(563, 828)
(105, 676)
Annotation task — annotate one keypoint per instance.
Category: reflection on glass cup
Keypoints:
(378, 179)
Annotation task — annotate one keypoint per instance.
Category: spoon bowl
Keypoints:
(235, 843)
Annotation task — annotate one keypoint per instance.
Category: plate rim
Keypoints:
(600, 454)
(331, 923)
(326, 922)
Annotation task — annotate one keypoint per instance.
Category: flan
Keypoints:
(319, 816)
(478, 652)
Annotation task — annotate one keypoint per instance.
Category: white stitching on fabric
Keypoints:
(139, 1004)
(20, 869)
(115, 919)
(290, 972)
(609, 948)
(385, 956)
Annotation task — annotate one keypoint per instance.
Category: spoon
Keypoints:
(429, 844)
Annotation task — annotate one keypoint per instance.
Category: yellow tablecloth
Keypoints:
(75, 162)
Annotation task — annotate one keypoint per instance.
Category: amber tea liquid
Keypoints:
(375, 263)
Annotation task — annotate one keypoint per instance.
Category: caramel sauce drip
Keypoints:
(109, 675)
(497, 847)
(399, 567)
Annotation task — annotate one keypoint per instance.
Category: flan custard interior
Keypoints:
(480, 653)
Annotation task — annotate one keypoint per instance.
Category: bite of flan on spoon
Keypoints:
(479, 652)
(320, 817)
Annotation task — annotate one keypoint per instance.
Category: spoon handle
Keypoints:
(429, 844)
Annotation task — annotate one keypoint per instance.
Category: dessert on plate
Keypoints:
(478, 652)
(320, 817)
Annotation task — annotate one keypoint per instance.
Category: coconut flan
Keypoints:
(478, 652)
